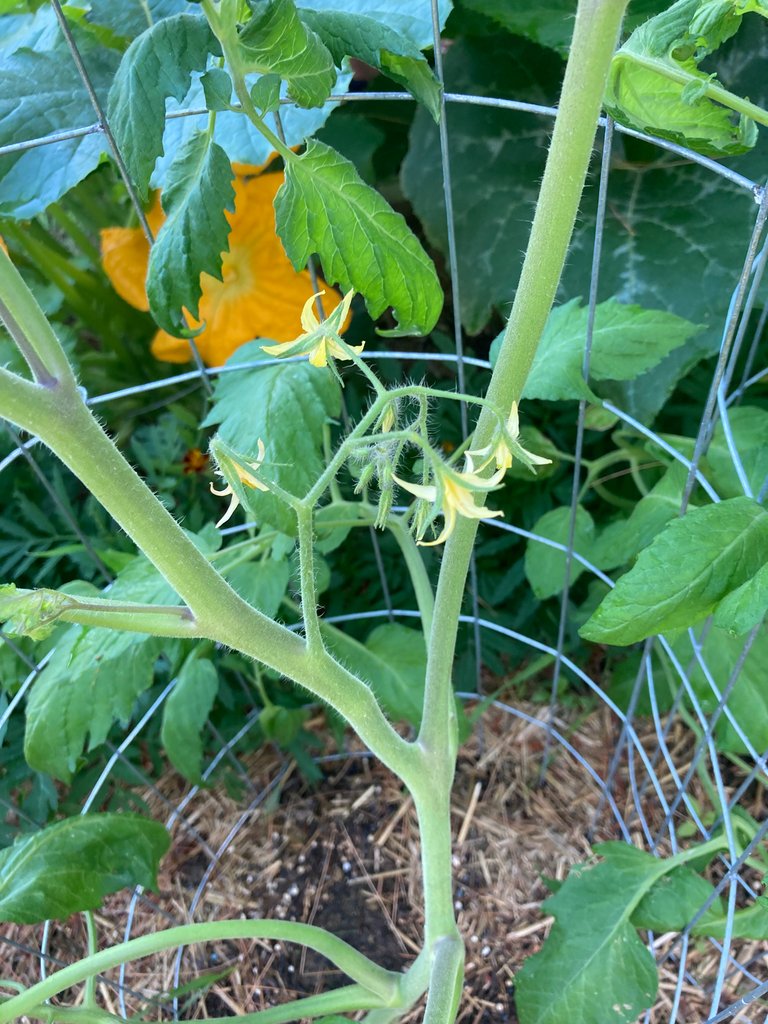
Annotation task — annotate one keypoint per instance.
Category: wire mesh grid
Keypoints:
(644, 760)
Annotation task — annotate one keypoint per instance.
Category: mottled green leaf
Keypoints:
(545, 566)
(72, 865)
(685, 572)
(129, 18)
(286, 405)
(324, 206)
(655, 84)
(156, 66)
(276, 40)
(194, 234)
(593, 967)
(392, 53)
(184, 715)
(42, 92)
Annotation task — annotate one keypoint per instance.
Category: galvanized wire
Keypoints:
(644, 762)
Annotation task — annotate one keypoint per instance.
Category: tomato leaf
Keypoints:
(389, 51)
(184, 715)
(655, 84)
(194, 234)
(684, 573)
(156, 66)
(324, 206)
(276, 40)
(72, 865)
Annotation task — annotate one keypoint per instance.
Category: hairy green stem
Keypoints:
(595, 34)
(383, 984)
(305, 517)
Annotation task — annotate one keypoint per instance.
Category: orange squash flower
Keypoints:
(260, 291)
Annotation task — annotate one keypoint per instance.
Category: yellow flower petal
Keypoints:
(309, 319)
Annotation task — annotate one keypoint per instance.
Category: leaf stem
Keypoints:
(305, 518)
(711, 89)
(383, 984)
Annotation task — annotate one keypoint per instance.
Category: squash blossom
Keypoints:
(321, 340)
(260, 290)
(245, 476)
(504, 448)
(456, 495)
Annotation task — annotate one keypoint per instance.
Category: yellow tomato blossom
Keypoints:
(245, 476)
(321, 339)
(500, 452)
(457, 497)
(260, 290)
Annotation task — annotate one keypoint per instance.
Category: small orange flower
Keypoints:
(260, 291)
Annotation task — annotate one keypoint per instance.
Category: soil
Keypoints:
(343, 854)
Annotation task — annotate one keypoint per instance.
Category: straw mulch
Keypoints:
(344, 855)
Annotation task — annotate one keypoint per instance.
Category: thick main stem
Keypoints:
(594, 40)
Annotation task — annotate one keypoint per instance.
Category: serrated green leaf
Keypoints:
(184, 715)
(324, 206)
(681, 577)
(626, 342)
(550, 23)
(393, 661)
(593, 967)
(194, 234)
(276, 40)
(94, 678)
(286, 405)
(655, 84)
(412, 18)
(662, 247)
(545, 566)
(742, 609)
(72, 865)
(129, 18)
(43, 92)
(156, 66)
(391, 52)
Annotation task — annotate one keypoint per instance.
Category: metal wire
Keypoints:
(646, 763)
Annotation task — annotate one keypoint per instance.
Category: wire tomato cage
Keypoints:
(641, 760)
